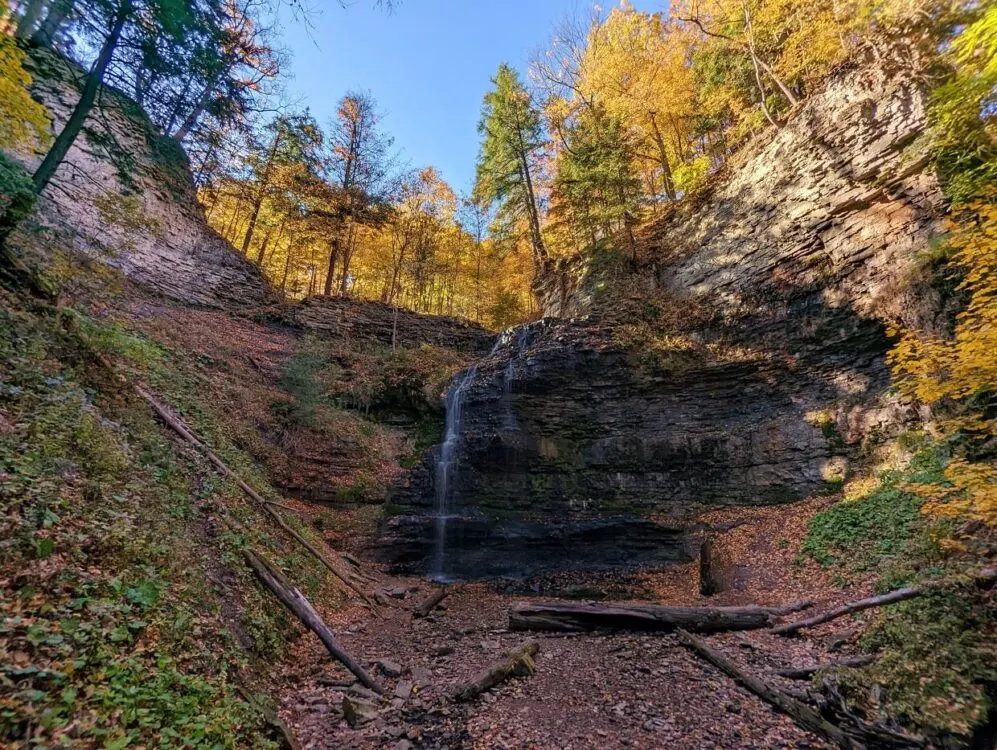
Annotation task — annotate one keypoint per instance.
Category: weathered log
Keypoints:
(897, 595)
(518, 663)
(578, 617)
(805, 673)
(266, 505)
(297, 603)
(802, 714)
(710, 579)
(430, 602)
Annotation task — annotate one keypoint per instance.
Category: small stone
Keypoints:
(389, 668)
(398, 592)
(403, 745)
(358, 711)
(403, 689)
(443, 651)
(421, 676)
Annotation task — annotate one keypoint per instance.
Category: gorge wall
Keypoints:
(738, 360)
(124, 196)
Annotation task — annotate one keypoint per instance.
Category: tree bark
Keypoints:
(429, 604)
(518, 662)
(710, 580)
(571, 617)
(803, 714)
(295, 601)
(261, 195)
(331, 273)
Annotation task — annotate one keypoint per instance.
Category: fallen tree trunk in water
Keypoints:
(571, 617)
(295, 601)
(802, 714)
(518, 663)
(987, 575)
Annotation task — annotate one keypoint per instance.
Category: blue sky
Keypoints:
(427, 64)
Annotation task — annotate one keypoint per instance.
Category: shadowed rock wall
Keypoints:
(779, 281)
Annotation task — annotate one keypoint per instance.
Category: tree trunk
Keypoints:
(58, 12)
(19, 210)
(261, 196)
(666, 167)
(195, 114)
(440, 594)
(46, 170)
(331, 273)
(572, 618)
(987, 575)
(295, 601)
(710, 580)
(803, 714)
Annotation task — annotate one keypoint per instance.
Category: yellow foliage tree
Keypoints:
(22, 119)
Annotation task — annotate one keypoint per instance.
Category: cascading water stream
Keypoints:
(446, 468)
(448, 464)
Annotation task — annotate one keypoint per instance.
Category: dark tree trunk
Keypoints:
(331, 273)
(19, 210)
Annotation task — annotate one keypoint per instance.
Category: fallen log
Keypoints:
(578, 617)
(805, 673)
(183, 431)
(430, 602)
(897, 595)
(802, 714)
(296, 602)
(518, 663)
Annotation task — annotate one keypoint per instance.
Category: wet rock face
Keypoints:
(575, 452)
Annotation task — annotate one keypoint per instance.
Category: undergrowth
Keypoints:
(935, 668)
(111, 631)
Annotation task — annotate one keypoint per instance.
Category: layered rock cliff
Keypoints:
(124, 195)
(738, 358)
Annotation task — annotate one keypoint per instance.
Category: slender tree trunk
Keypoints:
(46, 170)
(261, 195)
(58, 12)
(287, 266)
(331, 273)
(347, 257)
(666, 167)
(64, 141)
(195, 114)
(758, 62)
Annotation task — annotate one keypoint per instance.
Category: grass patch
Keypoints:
(883, 529)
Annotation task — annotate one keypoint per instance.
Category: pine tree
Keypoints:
(512, 135)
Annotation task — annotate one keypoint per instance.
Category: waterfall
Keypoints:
(449, 463)
(446, 468)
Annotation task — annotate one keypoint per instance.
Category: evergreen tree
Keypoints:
(512, 135)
